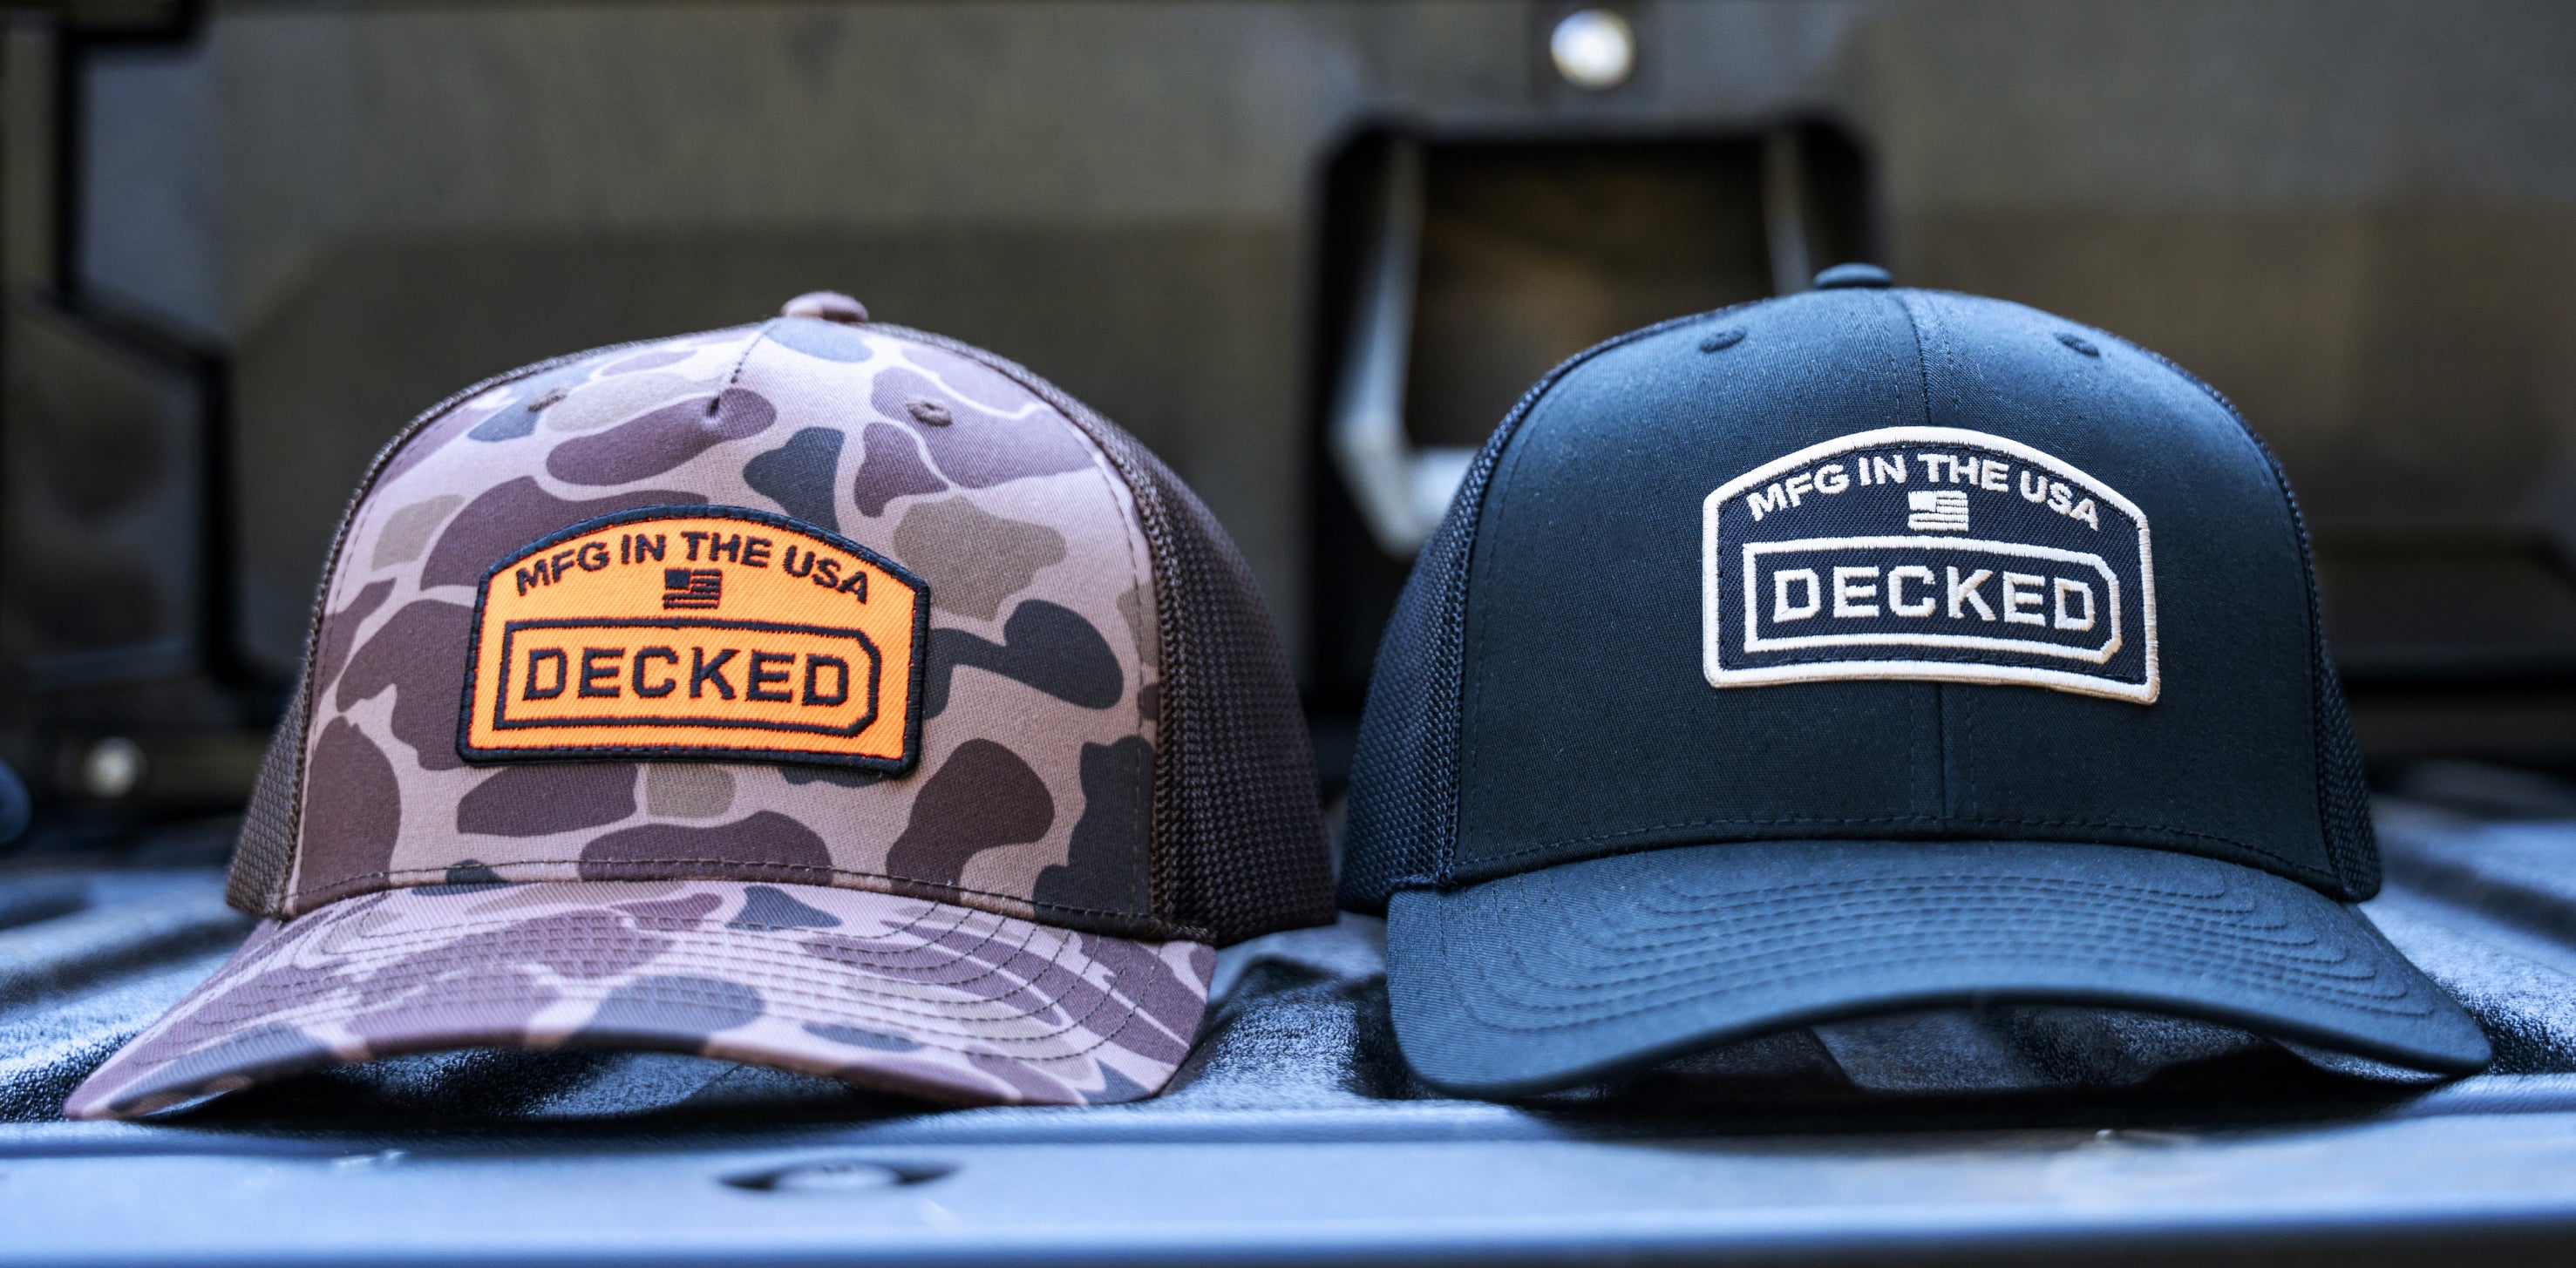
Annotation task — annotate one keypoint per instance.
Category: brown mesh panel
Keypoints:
(266, 855)
(1240, 843)
(1238, 830)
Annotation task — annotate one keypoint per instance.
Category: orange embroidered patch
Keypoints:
(716, 633)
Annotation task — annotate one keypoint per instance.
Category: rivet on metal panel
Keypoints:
(1594, 49)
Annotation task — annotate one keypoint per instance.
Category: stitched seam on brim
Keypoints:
(440, 873)
(1950, 822)
(321, 1004)
(1135, 1007)
(407, 944)
(786, 988)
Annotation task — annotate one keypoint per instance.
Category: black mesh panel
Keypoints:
(1404, 772)
(2343, 785)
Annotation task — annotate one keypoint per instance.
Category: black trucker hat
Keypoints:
(1859, 650)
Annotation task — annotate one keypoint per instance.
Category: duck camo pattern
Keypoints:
(975, 1008)
(1033, 795)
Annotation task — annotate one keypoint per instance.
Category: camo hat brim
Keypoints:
(904, 995)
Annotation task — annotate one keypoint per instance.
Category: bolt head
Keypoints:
(1594, 49)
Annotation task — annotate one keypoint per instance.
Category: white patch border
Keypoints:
(2098, 655)
(1712, 628)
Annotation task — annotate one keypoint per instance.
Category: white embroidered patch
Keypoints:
(1930, 553)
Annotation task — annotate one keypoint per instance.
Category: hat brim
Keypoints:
(898, 994)
(1588, 970)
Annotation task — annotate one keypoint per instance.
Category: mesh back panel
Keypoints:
(2343, 785)
(1238, 831)
(266, 855)
(1404, 772)
(1242, 834)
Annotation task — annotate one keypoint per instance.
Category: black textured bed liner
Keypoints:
(1295, 1134)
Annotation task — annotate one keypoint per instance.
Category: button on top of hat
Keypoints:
(827, 305)
(1846, 276)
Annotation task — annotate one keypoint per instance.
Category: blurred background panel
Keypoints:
(1236, 227)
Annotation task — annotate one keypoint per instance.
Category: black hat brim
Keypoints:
(1588, 970)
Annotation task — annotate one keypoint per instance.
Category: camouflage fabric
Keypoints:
(1033, 793)
(968, 910)
(898, 993)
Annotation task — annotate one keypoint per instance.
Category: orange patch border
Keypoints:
(904, 765)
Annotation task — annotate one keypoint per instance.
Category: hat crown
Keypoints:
(1895, 564)
(809, 601)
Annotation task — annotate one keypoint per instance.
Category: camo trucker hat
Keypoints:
(816, 694)
(1861, 650)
